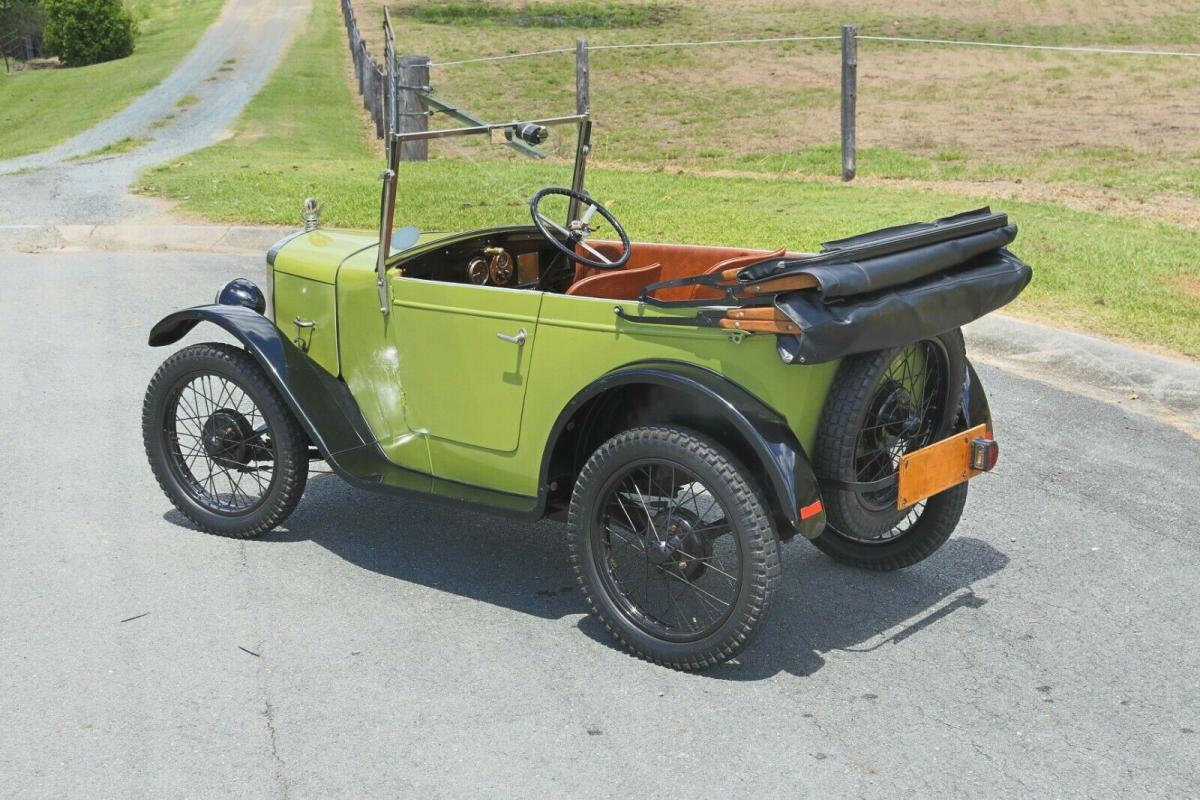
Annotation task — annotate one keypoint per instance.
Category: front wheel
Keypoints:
(224, 447)
(673, 546)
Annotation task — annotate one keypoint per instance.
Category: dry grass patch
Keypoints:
(1121, 126)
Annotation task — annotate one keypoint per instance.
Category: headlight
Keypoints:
(241, 292)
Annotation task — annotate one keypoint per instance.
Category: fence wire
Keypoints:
(833, 37)
(1056, 48)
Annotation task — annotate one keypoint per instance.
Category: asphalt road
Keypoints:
(1050, 649)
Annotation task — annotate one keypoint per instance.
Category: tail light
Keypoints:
(984, 454)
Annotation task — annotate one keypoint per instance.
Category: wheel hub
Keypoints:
(226, 437)
(680, 547)
(897, 417)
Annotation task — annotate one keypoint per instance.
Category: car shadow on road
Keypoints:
(821, 606)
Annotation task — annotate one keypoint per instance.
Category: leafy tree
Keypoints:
(89, 31)
(20, 20)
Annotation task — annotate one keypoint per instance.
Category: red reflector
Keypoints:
(984, 454)
(811, 510)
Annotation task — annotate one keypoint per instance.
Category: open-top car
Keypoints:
(683, 408)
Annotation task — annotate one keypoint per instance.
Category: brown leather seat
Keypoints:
(671, 260)
(618, 284)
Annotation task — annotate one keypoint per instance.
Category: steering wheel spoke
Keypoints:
(583, 243)
(576, 230)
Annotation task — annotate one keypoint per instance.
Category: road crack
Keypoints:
(285, 789)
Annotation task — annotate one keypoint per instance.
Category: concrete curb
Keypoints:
(1138, 381)
(140, 238)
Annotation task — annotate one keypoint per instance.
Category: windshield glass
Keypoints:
(484, 176)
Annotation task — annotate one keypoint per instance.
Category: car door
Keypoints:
(464, 355)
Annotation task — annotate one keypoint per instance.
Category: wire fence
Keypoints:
(370, 75)
(405, 81)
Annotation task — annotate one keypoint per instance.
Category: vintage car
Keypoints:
(685, 409)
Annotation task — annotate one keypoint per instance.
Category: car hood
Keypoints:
(316, 255)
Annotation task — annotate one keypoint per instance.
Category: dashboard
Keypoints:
(513, 260)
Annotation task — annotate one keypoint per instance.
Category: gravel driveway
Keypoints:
(225, 69)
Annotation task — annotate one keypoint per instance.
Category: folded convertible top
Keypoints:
(875, 290)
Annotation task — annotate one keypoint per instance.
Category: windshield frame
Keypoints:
(390, 176)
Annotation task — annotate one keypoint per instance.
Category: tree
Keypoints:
(21, 20)
(89, 31)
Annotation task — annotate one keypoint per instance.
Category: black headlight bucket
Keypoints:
(242, 292)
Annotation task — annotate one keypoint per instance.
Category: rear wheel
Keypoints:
(223, 446)
(673, 546)
(882, 405)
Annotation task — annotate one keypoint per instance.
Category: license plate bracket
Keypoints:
(937, 467)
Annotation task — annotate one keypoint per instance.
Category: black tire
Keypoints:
(865, 529)
(278, 439)
(743, 527)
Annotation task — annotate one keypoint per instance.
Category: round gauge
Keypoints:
(501, 268)
(477, 271)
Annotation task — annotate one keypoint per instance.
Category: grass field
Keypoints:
(39, 109)
(1110, 130)
(1129, 278)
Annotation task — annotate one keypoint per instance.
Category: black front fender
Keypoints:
(321, 403)
(774, 453)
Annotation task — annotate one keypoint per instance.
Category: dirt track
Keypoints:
(247, 41)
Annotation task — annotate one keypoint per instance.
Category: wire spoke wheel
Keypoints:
(884, 405)
(904, 414)
(673, 546)
(219, 442)
(222, 443)
(667, 552)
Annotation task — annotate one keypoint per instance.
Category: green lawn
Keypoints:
(39, 109)
(303, 135)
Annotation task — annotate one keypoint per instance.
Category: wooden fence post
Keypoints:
(380, 110)
(360, 64)
(412, 80)
(849, 99)
(583, 91)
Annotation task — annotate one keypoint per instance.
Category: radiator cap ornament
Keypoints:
(311, 214)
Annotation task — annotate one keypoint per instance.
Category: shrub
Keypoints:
(89, 31)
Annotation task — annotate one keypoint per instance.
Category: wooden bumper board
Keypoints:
(936, 468)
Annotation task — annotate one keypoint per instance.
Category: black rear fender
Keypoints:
(975, 409)
(688, 396)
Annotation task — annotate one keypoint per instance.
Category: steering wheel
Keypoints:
(577, 230)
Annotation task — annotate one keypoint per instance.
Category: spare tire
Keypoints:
(882, 405)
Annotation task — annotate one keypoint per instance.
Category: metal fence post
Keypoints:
(412, 80)
(849, 99)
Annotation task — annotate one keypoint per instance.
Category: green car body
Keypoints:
(444, 396)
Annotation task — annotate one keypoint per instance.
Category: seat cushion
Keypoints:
(673, 260)
(618, 284)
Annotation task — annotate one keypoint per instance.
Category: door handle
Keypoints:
(518, 340)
